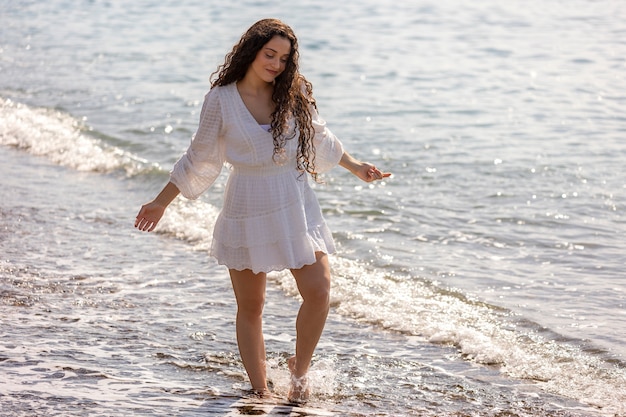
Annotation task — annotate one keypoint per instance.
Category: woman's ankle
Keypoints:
(298, 383)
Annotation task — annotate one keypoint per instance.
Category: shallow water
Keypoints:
(484, 278)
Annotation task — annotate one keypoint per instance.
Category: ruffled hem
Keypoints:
(276, 256)
(269, 268)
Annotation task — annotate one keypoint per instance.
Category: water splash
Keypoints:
(482, 333)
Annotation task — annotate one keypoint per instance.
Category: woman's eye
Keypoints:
(269, 56)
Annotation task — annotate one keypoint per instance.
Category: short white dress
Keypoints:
(271, 219)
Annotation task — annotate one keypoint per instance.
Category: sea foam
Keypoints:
(62, 139)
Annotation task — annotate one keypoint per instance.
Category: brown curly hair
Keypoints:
(292, 95)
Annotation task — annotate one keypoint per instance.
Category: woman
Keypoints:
(260, 117)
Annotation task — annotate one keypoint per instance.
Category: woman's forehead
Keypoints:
(279, 44)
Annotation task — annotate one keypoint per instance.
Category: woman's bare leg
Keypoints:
(250, 294)
(314, 285)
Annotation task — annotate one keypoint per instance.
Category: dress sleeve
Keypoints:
(198, 168)
(328, 149)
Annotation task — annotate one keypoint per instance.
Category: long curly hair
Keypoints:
(292, 95)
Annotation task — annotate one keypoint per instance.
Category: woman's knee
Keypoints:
(319, 296)
(251, 306)
(249, 291)
(314, 281)
(316, 290)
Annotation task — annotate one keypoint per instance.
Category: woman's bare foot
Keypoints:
(261, 394)
(299, 386)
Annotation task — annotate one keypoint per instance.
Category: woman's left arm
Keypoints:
(364, 170)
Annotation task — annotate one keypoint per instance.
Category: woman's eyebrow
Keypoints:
(274, 50)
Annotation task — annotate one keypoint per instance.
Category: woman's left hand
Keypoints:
(368, 172)
(364, 170)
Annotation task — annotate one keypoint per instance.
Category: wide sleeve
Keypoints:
(328, 149)
(198, 168)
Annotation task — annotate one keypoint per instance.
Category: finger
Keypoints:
(138, 222)
(144, 225)
(140, 217)
(376, 174)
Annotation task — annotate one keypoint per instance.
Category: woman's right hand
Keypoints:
(149, 216)
(151, 213)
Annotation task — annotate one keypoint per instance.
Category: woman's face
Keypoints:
(271, 59)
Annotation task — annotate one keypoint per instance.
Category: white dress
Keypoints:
(271, 219)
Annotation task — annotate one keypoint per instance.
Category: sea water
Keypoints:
(485, 278)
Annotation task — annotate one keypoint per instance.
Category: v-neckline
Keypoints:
(251, 116)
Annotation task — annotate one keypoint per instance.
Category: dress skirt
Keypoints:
(271, 220)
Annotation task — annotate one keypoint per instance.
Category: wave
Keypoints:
(482, 333)
(62, 139)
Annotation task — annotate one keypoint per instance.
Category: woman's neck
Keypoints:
(252, 86)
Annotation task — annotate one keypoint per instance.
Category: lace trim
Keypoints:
(270, 268)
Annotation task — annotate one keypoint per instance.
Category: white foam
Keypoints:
(191, 221)
(60, 138)
(322, 377)
(480, 332)
(396, 303)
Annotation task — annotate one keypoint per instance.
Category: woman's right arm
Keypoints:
(151, 212)
(197, 168)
